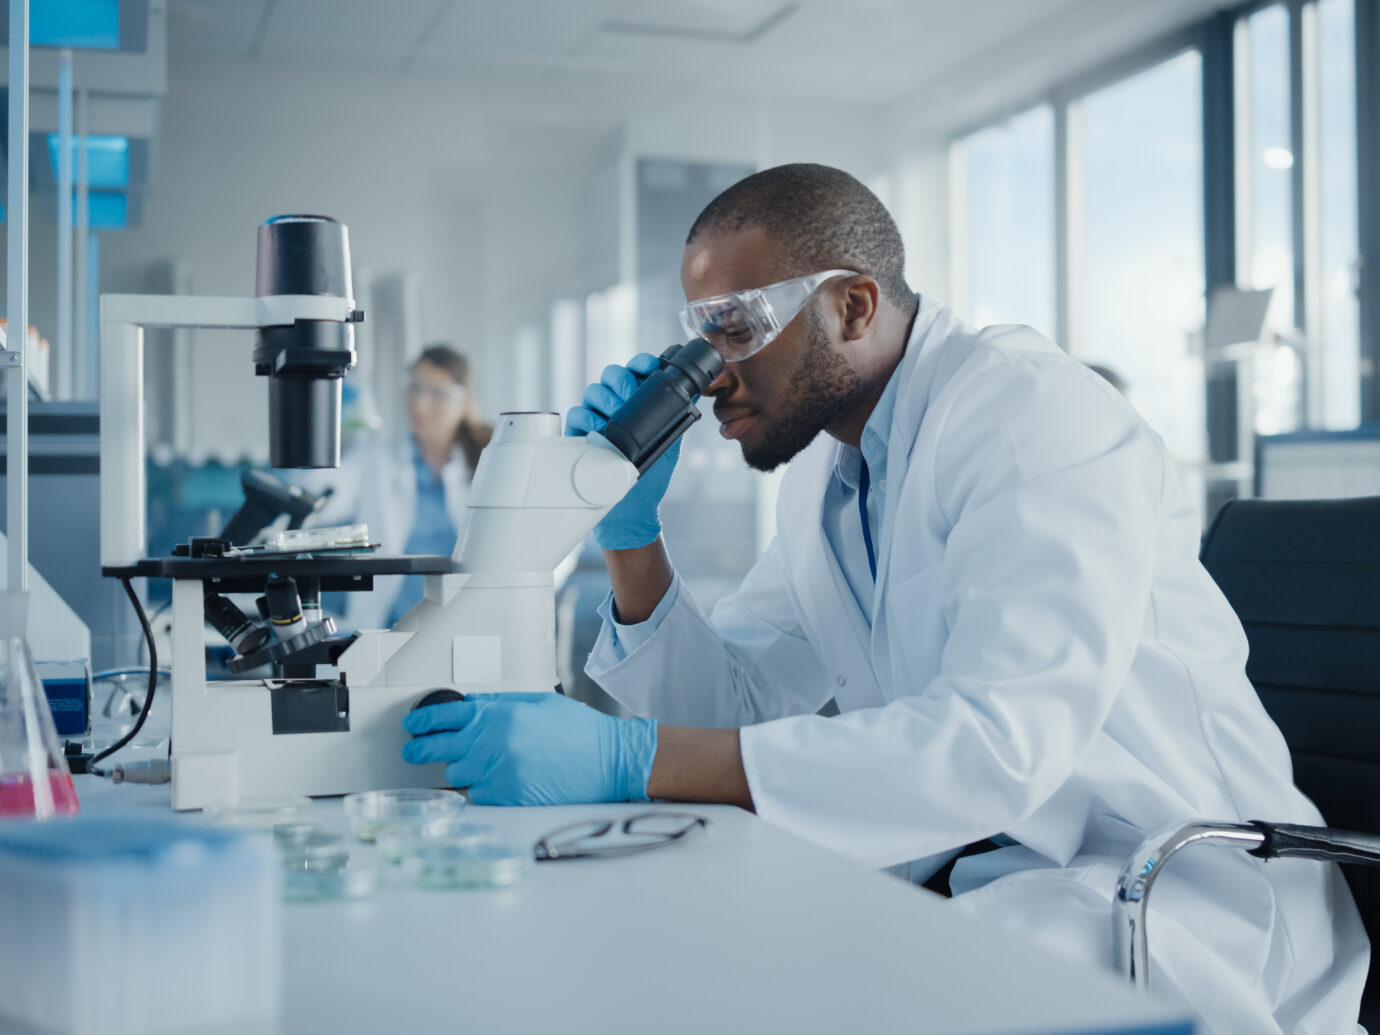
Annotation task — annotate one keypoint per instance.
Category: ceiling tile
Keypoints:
(721, 17)
(387, 32)
(511, 30)
(223, 28)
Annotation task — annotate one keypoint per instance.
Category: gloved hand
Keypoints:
(534, 749)
(633, 521)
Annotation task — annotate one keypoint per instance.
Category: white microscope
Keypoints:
(487, 619)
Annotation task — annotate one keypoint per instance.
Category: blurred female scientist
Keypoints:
(411, 490)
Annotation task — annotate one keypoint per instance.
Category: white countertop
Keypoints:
(747, 929)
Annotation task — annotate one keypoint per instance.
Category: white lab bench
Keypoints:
(746, 930)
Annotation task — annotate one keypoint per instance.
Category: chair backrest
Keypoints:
(1304, 578)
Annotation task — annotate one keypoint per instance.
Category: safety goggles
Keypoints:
(743, 323)
(437, 395)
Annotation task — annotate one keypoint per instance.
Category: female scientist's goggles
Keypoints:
(438, 395)
(742, 323)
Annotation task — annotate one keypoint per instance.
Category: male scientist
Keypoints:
(988, 561)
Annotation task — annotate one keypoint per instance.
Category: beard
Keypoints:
(827, 386)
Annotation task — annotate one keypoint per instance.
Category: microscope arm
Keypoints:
(536, 495)
(490, 625)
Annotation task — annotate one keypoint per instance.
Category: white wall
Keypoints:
(416, 170)
(504, 199)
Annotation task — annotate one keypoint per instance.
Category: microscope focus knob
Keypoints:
(442, 696)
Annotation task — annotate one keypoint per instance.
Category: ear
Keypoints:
(860, 298)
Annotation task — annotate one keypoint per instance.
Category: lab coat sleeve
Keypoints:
(749, 663)
(624, 639)
(1050, 487)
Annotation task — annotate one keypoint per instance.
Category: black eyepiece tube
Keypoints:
(663, 407)
(304, 360)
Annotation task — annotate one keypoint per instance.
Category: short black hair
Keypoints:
(820, 218)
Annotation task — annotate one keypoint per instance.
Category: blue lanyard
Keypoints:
(864, 480)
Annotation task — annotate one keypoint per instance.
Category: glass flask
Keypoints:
(34, 779)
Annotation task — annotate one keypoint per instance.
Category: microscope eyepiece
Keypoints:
(305, 360)
(697, 360)
(663, 407)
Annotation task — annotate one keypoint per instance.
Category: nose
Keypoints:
(724, 383)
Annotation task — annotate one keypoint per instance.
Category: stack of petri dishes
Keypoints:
(399, 841)
(317, 864)
(421, 836)
(424, 835)
(372, 812)
(451, 864)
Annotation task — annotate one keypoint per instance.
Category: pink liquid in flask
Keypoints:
(17, 794)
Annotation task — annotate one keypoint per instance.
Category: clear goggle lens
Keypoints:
(742, 323)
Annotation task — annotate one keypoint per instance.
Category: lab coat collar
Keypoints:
(913, 380)
(875, 437)
(897, 419)
(867, 682)
(859, 687)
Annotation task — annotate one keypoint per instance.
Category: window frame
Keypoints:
(1215, 40)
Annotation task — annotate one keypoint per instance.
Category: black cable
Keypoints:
(158, 613)
(153, 684)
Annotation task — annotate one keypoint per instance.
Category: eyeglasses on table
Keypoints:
(610, 838)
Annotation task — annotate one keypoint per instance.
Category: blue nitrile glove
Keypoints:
(534, 749)
(633, 521)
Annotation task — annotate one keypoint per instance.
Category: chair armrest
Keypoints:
(1130, 904)
(1131, 901)
(1289, 840)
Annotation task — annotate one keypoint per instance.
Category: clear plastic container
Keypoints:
(396, 842)
(262, 814)
(317, 867)
(355, 880)
(309, 540)
(137, 923)
(35, 782)
(444, 865)
(372, 812)
(310, 850)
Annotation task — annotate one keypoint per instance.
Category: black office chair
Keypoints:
(1304, 578)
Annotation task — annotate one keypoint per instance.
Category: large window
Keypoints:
(1137, 242)
(1085, 216)
(1296, 194)
(1004, 226)
(1265, 162)
(1335, 325)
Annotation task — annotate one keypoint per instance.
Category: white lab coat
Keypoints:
(1047, 660)
(376, 483)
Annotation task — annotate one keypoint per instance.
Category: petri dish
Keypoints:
(449, 865)
(357, 880)
(311, 850)
(261, 813)
(371, 812)
(396, 842)
(317, 867)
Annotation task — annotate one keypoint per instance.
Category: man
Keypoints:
(988, 562)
